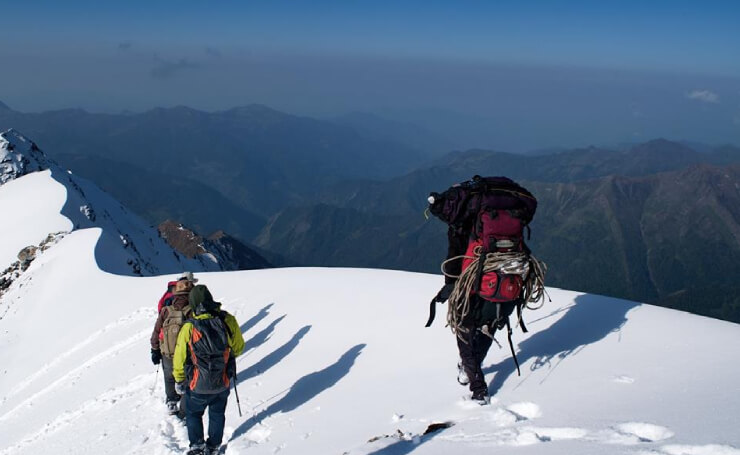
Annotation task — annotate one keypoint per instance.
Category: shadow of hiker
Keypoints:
(274, 357)
(262, 314)
(306, 388)
(262, 336)
(589, 320)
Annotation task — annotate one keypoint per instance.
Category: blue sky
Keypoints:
(658, 62)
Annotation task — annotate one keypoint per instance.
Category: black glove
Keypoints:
(444, 293)
(441, 297)
(180, 388)
(156, 356)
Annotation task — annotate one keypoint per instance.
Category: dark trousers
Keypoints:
(195, 405)
(169, 385)
(169, 380)
(474, 344)
(473, 349)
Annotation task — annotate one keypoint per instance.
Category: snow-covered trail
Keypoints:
(338, 361)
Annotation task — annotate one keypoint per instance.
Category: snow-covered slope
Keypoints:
(337, 360)
(38, 198)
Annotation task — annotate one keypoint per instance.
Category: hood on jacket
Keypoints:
(201, 300)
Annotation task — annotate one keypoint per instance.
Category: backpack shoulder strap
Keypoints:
(520, 319)
(221, 314)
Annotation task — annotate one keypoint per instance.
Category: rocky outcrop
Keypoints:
(227, 251)
(25, 257)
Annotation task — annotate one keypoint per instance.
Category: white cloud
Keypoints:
(704, 95)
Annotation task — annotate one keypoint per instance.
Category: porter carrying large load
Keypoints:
(489, 269)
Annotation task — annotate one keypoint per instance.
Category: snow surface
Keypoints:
(338, 362)
(338, 357)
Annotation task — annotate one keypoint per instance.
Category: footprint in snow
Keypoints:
(172, 434)
(259, 434)
(710, 449)
(646, 432)
(525, 410)
(636, 433)
(624, 379)
(560, 434)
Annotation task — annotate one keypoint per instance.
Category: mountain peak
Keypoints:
(19, 156)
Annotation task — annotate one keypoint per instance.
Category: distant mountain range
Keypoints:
(656, 221)
(665, 229)
(255, 156)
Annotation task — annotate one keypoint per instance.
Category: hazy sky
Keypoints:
(506, 75)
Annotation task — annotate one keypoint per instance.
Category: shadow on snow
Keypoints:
(306, 388)
(589, 320)
(273, 358)
(259, 338)
(254, 320)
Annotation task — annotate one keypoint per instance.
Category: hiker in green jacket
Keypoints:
(205, 354)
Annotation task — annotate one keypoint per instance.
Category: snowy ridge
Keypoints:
(42, 198)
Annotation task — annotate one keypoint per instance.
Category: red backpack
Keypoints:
(164, 301)
(497, 230)
(166, 297)
(486, 215)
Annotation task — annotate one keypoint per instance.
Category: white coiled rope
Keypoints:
(525, 265)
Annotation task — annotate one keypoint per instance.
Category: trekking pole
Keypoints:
(156, 374)
(236, 392)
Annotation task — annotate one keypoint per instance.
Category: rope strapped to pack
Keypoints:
(460, 301)
(527, 266)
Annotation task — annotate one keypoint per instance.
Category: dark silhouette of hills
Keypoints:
(260, 158)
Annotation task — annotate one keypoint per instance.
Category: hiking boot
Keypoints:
(481, 397)
(462, 376)
(212, 450)
(197, 450)
(173, 408)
